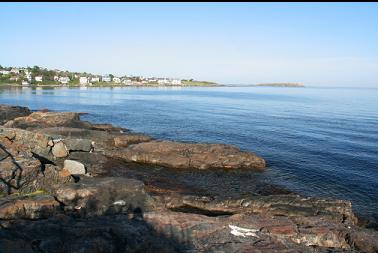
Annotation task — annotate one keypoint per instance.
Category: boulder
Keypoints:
(59, 150)
(185, 155)
(74, 167)
(126, 140)
(8, 112)
(98, 196)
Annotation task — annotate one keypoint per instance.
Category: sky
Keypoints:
(318, 44)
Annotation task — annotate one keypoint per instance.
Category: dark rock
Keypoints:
(98, 196)
(95, 163)
(106, 127)
(126, 140)
(184, 155)
(62, 234)
(8, 112)
(365, 240)
(18, 174)
(78, 144)
(23, 175)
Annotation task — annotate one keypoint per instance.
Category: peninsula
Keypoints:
(38, 76)
(280, 85)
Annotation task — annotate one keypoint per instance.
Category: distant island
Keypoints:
(38, 76)
(280, 85)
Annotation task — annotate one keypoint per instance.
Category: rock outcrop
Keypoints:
(186, 155)
(45, 119)
(57, 196)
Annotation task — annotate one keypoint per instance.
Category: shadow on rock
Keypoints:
(61, 234)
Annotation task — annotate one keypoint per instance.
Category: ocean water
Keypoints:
(316, 141)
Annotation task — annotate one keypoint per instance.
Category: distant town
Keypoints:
(38, 76)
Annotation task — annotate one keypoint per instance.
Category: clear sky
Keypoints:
(334, 44)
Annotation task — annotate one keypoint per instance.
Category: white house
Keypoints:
(152, 80)
(56, 78)
(95, 79)
(28, 76)
(116, 79)
(5, 72)
(176, 82)
(38, 78)
(127, 82)
(83, 80)
(106, 79)
(163, 81)
(15, 70)
(64, 79)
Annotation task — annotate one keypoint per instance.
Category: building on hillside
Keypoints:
(127, 82)
(38, 78)
(163, 81)
(15, 71)
(95, 79)
(116, 80)
(5, 72)
(176, 82)
(152, 80)
(83, 80)
(106, 79)
(64, 79)
(28, 76)
(56, 78)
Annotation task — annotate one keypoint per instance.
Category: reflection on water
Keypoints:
(317, 141)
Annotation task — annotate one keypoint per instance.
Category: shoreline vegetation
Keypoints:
(107, 85)
(62, 178)
(37, 76)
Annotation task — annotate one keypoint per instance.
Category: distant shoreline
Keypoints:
(113, 85)
(294, 85)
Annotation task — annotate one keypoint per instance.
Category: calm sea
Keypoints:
(317, 141)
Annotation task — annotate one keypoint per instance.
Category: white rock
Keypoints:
(119, 203)
(243, 232)
(74, 167)
(59, 150)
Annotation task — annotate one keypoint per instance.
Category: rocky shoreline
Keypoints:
(68, 185)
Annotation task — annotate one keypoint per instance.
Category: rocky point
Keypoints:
(64, 188)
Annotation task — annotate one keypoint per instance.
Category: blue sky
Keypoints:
(325, 44)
